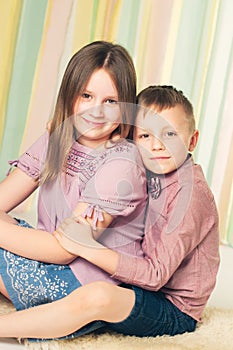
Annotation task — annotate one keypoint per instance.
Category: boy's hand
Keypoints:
(75, 236)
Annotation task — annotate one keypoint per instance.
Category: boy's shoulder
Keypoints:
(200, 184)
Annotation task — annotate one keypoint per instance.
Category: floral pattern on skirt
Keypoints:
(30, 283)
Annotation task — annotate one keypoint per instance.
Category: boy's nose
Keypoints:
(156, 144)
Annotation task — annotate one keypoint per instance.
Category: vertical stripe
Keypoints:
(141, 39)
(229, 224)
(100, 19)
(187, 44)
(173, 25)
(214, 88)
(26, 51)
(225, 200)
(224, 132)
(94, 19)
(84, 21)
(115, 19)
(128, 22)
(9, 21)
(156, 43)
(45, 81)
(205, 55)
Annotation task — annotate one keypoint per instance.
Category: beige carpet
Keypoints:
(215, 333)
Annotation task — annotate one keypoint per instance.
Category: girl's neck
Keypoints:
(93, 144)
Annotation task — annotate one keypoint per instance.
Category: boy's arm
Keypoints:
(77, 238)
(165, 251)
(161, 256)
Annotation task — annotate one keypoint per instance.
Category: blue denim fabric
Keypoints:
(153, 315)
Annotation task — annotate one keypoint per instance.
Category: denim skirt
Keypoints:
(30, 283)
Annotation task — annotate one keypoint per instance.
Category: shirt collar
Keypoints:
(161, 181)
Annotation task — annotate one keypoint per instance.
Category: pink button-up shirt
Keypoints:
(181, 243)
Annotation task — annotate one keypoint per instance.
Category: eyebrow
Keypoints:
(107, 96)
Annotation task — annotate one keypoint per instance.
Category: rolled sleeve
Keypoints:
(31, 161)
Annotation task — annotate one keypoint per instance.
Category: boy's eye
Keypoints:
(144, 136)
(170, 133)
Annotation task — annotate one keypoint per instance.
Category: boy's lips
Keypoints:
(160, 158)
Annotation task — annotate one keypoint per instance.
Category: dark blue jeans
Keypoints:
(153, 315)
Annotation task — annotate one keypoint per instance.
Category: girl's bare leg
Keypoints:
(96, 301)
(3, 289)
(7, 218)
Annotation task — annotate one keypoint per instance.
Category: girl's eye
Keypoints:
(86, 95)
(111, 101)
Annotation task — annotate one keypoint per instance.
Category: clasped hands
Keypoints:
(75, 235)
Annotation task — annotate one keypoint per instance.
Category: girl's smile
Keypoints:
(93, 122)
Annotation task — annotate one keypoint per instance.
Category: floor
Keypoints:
(10, 344)
(217, 299)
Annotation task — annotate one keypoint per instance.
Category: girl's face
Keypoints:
(97, 112)
(164, 139)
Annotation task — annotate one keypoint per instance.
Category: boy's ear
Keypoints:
(193, 141)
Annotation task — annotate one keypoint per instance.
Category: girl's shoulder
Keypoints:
(122, 148)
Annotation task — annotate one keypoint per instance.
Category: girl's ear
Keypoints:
(193, 141)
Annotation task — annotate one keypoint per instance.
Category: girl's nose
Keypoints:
(97, 111)
(156, 144)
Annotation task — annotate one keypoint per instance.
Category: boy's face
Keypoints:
(164, 139)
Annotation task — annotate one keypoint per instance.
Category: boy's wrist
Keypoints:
(103, 257)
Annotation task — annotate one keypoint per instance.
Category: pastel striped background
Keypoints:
(187, 43)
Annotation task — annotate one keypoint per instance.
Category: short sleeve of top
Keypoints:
(32, 160)
(119, 183)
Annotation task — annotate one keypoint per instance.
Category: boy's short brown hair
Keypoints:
(165, 97)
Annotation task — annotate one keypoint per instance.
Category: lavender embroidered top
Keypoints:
(181, 243)
(112, 179)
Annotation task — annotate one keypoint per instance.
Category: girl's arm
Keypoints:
(30, 243)
(15, 188)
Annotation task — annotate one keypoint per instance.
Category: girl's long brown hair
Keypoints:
(100, 54)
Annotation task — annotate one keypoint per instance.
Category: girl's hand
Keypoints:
(75, 236)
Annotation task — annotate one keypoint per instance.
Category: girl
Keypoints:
(84, 168)
(172, 281)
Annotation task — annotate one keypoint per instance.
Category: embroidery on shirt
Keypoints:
(82, 163)
(86, 165)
